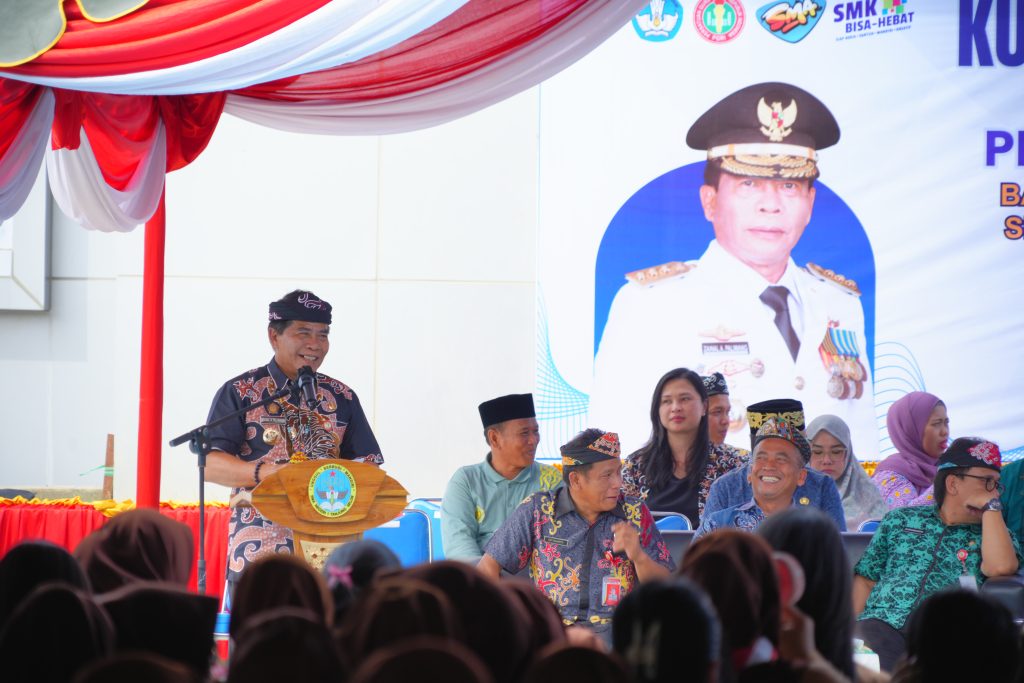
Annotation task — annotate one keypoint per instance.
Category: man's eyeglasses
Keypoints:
(991, 483)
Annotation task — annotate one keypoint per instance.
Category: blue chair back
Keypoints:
(408, 536)
(869, 526)
(432, 508)
(672, 521)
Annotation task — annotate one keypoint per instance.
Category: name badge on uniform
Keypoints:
(912, 530)
(557, 541)
(716, 348)
(611, 591)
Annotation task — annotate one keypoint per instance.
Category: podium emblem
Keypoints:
(332, 490)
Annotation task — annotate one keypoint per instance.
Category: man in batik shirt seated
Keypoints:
(586, 545)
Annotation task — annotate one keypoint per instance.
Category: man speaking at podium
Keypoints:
(324, 420)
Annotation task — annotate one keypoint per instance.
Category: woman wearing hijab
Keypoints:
(674, 470)
(29, 565)
(279, 580)
(919, 429)
(138, 545)
(52, 634)
(832, 454)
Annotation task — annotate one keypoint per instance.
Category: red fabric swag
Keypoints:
(163, 33)
(17, 100)
(473, 36)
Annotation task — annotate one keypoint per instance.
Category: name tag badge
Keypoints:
(912, 530)
(557, 541)
(968, 582)
(718, 348)
(611, 591)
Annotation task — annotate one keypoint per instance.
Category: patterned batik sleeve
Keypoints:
(512, 544)
(630, 483)
(708, 523)
(876, 555)
(898, 492)
(652, 541)
(359, 441)
(228, 436)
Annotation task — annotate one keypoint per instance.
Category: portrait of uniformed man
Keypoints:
(773, 328)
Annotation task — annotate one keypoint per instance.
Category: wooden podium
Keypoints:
(328, 502)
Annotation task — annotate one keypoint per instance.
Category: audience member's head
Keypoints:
(809, 535)
(279, 580)
(29, 565)
(351, 567)
(668, 631)
(545, 622)
(493, 622)
(286, 644)
(423, 658)
(138, 545)
(53, 633)
(397, 608)
(165, 620)
(137, 667)
(561, 662)
(736, 570)
(958, 635)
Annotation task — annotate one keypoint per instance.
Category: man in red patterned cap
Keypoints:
(585, 543)
(250, 448)
(919, 550)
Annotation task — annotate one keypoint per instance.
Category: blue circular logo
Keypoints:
(332, 490)
(659, 21)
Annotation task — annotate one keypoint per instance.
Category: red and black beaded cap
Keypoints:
(971, 451)
(604, 447)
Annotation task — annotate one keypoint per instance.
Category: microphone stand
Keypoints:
(199, 443)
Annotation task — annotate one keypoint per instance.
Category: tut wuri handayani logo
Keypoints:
(659, 21)
(332, 490)
(791, 21)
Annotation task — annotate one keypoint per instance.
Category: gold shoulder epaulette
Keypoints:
(826, 275)
(649, 277)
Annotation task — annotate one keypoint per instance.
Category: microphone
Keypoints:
(307, 385)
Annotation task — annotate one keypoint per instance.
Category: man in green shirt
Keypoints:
(959, 541)
(479, 497)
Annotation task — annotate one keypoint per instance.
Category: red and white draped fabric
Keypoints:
(113, 106)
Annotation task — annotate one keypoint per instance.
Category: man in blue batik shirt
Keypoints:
(778, 465)
(817, 489)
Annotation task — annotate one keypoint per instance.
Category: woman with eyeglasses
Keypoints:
(832, 454)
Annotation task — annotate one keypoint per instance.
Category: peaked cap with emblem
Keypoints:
(767, 130)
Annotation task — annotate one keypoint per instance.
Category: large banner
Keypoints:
(900, 267)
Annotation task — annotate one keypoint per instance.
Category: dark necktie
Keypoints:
(777, 299)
